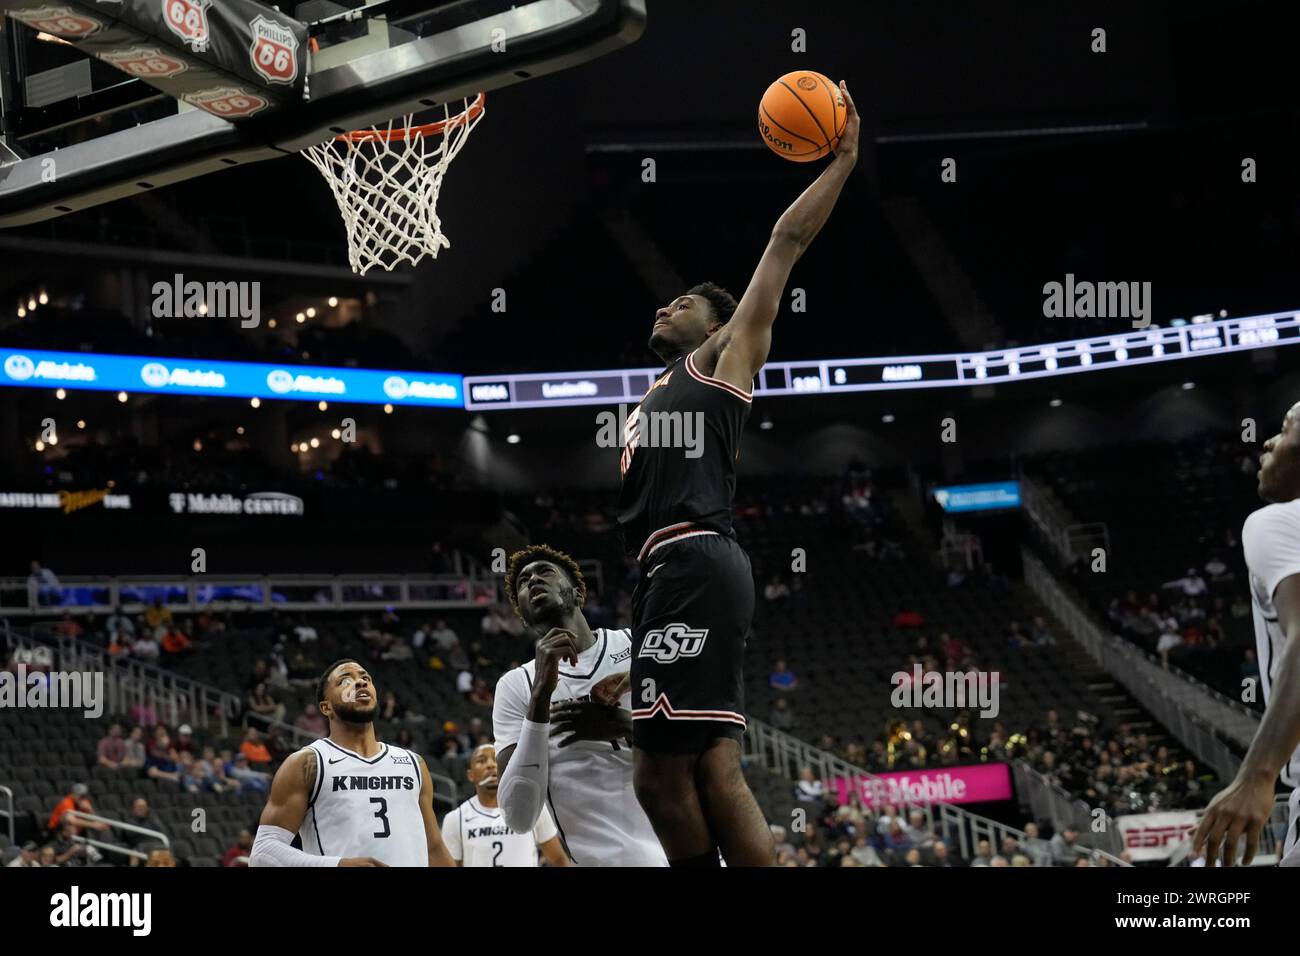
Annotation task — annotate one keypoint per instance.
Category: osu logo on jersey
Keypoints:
(227, 102)
(274, 51)
(188, 19)
(667, 644)
(145, 62)
(62, 22)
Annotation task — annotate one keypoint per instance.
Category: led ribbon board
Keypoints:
(138, 373)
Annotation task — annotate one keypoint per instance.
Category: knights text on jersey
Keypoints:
(589, 791)
(366, 807)
(678, 462)
(477, 836)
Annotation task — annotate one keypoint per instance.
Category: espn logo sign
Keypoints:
(1156, 837)
(667, 644)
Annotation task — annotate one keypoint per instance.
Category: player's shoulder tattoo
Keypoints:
(308, 766)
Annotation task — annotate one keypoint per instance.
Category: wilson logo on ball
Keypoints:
(145, 62)
(274, 53)
(667, 644)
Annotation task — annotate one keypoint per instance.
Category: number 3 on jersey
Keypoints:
(382, 814)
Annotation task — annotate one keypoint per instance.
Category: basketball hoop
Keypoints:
(386, 181)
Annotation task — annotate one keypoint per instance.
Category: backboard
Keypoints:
(96, 106)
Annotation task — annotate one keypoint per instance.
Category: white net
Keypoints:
(386, 182)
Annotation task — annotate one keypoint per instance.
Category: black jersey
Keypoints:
(679, 457)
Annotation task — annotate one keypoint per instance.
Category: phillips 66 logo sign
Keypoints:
(227, 102)
(62, 22)
(274, 52)
(188, 19)
(145, 62)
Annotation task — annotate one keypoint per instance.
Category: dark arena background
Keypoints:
(992, 485)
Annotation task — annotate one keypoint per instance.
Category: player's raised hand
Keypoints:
(1243, 807)
(558, 645)
(848, 146)
(361, 861)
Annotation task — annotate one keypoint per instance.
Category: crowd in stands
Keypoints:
(852, 834)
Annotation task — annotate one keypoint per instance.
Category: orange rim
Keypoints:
(468, 115)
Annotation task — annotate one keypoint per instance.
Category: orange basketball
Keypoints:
(802, 116)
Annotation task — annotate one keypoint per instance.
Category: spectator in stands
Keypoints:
(1037, 849)
(111, 751)
(779, 840)
(161, 857)
(184, 742)
(263, 707)
(161, 764)
(781, 678)
(254, 749)
(68, 626)
(78, 798)
(146, 647)
(68, 850)
(175, 642)
(809, 789)
(158, 615)
(305, 632)
(443, 637)
(119, 644)
(1040, 633)
(480, 694)
(237, 855)
(46, 855)
(238, 768)
(776, 593)
(119, 623)
(781, 717)
(311, 720)
(983, 854)
(1170, 641)
(28, 856)
(1063, 846)
(1191, 583)
(390, 710)
(1249, 665)
(42, 586)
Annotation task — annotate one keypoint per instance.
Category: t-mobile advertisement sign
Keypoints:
(981, 783)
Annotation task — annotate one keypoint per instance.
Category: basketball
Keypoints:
(802, 116)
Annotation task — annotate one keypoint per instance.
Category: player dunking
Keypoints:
(353, 800)
(693, 606)
(476, 833)
(1271, 542)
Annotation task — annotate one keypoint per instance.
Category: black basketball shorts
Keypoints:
(691, 614)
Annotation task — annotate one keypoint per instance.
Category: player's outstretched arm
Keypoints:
(283, 815)
(1243, 807)
(738, 351)
(438, 855)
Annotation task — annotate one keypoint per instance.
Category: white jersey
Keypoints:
(589, 792)
(1271, 542)
(366, 807)
(477, 836)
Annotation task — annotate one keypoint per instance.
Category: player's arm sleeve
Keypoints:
(545, 829)
(285, 810)
(522, 789)
(1270, 540)
(451, 835)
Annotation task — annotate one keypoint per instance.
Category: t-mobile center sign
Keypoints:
(981, 783)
